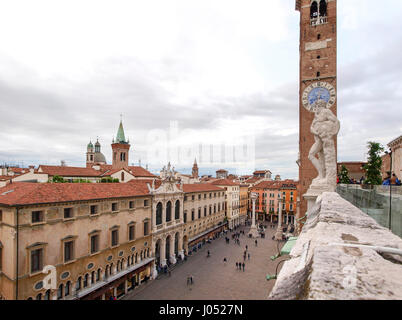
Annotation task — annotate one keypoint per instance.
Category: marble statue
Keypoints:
(324, 127)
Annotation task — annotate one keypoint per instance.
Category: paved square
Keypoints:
(215, 280)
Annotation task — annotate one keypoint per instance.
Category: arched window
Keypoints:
(122, 176)
(323, 8)
(168, 211)
(118, 266)
(314, 10)
(192, 215)
(47, 295)
(107, 272)
(205, 211)
(98, 275)
(39, 296)
(85, 284)
(78, 285)
(60, 292)
(159, 213)
(199, 213)
(93, 277)
(136, 257)
(67, 289)
(177, 210)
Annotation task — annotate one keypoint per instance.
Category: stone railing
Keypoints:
(342, 253)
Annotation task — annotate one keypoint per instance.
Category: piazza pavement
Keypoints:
(214, 279)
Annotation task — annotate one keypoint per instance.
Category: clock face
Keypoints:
(316, 92)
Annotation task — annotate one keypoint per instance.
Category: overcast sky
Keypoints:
(224, 71)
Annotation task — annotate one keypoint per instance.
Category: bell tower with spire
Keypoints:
(90, 154)
(121, 149)
(195, 169)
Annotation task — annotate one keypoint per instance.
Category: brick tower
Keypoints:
(318, 50)
(194, 173)
(120, 148)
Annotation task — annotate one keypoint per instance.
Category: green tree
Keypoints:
(344, 175)
(58, 179)
(374, 163)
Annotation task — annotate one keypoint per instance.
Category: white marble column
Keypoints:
(253, 228)
(279, 232)
(163, 253)
(172, 255)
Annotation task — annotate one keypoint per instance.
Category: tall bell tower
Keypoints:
(318, 77)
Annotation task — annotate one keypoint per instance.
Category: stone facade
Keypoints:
(112, 268)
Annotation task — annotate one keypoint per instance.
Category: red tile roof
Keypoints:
(24, 193)
(276, 184)
(225, 182)
(69, 171)
(134, 170)
(5, 178)
(200, 187)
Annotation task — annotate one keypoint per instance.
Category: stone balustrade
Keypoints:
(331, 258)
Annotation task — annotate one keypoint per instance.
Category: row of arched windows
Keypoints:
(318, 9)
(168, 217)
(64, 290)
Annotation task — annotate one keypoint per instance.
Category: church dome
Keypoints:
(90, 145)
(99, 158)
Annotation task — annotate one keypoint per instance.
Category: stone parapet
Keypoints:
(320, 267)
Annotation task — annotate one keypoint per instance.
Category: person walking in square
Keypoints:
(237, 265)
(249, 256)
(243, 266)
(256, 242)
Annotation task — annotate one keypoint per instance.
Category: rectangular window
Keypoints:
(68, 251)
(146, 203)
(146, 228)
(37, 216)
(1, 215)
(205, 195)
(36, 260)
(185, 217)
(115, 206)
(131, 205)
(115, 238)
(68, 213)
(185, 198)
(95, 244)
(94, 209)
(131, 233)
(192, 197)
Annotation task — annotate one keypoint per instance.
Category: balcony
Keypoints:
(375, 202)
(318, 21)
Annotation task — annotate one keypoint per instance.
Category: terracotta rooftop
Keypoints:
(275, 184)
(200, 187)
(134, 170)
(24, 193)
(65, 171)
(225, 182)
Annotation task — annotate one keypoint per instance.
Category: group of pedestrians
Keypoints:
(190, 280)
(239, 265)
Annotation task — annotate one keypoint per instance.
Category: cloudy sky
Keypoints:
(187, 74)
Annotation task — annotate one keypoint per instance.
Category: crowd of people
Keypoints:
(391, 180)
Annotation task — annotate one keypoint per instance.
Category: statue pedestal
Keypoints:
(279, 233)
(314, 192)
(254, 232)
